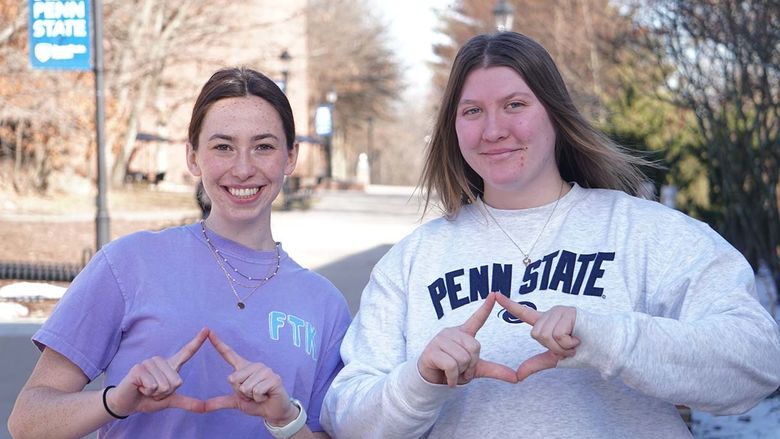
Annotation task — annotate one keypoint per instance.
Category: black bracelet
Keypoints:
(105, 404)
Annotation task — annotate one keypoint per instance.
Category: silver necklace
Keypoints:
(526, 256)
(225, 260)
(241, 303)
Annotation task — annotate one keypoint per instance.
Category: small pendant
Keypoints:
(241, 305)
(526, 261)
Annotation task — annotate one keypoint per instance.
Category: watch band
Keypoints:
(287, 431)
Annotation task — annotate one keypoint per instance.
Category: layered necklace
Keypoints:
(228, 269)
(526, 256)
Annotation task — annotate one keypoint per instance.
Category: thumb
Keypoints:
(489, 369)
(221, 402)
(537, 363)
(186, 403)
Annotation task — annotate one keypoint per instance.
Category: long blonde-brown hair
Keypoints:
(582, 153)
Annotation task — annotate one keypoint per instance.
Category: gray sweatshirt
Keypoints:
(666, 314)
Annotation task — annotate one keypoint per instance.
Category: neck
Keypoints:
(256, 236)
(528, 197)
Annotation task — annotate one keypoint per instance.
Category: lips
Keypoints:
(501, 151)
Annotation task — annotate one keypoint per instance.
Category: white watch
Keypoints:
(287, 431)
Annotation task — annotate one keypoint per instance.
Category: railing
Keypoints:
(43, 271)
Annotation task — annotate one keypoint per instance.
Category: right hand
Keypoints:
(257, 389)
(151, 385)
(452, 357)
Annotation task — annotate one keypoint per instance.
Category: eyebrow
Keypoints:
(515, 94)
(231, 138)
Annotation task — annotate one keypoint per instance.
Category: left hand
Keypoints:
(552, 329)
(257, 390)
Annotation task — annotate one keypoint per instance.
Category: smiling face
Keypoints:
(242, 158)
(506, 136)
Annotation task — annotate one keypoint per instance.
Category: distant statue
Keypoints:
(363, 170)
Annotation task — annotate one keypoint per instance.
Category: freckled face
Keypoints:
(506, 136)
(242, 158)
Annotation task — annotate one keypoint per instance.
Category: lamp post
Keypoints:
(102, 221)
(504, 14)
(370, 146)
(330, 97)
(285, 59)
(287, 186)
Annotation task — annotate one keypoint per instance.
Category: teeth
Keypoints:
(244, 193)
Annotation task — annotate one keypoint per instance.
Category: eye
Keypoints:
(515, 104)
(265, 147)
(222, 147)
(471, 111)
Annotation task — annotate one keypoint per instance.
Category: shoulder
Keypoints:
(646, 217)
(619, 202)
(145, 240)
(431, 241)
(438, 231)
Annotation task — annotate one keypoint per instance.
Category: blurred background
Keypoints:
(693, 85)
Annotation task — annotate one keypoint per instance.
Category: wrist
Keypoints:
(290, 414)
(293, 426)
(110, 405)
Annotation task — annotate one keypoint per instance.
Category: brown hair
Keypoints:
(238, 82)
(582, 153)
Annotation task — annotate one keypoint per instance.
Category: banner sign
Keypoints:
(323, 120)
(60, 35)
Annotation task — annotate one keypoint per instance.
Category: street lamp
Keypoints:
(285, 59)
(504, 14)
(372, 160)
(330, 97)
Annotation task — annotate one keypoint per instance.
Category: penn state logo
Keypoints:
(509, 317)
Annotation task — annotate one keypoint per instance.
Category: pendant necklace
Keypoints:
(526, 256)
(222, 261)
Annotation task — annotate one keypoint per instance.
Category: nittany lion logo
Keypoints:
(509, 317)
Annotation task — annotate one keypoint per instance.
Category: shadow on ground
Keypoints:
(350, 274)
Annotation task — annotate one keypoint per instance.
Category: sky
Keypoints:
(412, 29)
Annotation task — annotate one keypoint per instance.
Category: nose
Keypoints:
(243, 166)
(494, 129)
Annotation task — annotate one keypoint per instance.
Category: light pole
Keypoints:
(370, 146)
(287, 186)
(330, 97)
(102, 221)
(504, 15)
(285, 59)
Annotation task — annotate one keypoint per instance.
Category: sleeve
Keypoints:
(705, 341)
(380, 393)
(86, 325)
(328, 365)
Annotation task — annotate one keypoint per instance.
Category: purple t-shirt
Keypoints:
(149, 293)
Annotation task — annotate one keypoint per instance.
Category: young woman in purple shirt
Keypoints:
(204, 330)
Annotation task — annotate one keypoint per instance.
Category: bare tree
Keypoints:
(582, 51)
(349, 54)
(727, 72)
(144, 38)
(38, 133)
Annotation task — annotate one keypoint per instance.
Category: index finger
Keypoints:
(472, 325)
(522, 312)
(231, 356)
(188, 350)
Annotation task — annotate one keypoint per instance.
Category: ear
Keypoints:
(192, 162)
(292, 159)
